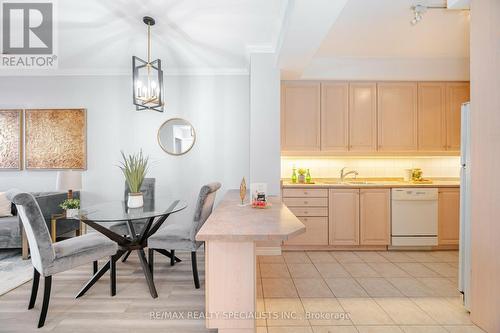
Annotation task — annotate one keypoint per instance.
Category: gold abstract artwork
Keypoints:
(10, 139)
(55, 139)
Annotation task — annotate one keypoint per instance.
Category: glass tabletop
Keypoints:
(114, 211)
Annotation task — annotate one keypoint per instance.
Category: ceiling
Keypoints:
(382, 29)
(100, 36)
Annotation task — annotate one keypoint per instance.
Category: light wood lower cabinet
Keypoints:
(344, 217)
(316, 232)
(311, 207)
(375, 216)
(449, 216)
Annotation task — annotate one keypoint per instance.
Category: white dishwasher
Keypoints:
(414, 217)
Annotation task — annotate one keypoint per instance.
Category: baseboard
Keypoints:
(268, 250)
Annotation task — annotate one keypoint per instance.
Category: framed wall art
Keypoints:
(55, 139)
(11, 139)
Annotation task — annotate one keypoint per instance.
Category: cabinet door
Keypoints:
(316, 232)
(344, 217)
(300, 116)
(363, 117)
(456, 94)
(431, 116)
(334, 116)
(397, 116)
(449, 216)
(375, 216)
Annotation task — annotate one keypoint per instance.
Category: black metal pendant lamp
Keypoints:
(148, 78)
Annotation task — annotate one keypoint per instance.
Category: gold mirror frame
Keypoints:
(164, 148)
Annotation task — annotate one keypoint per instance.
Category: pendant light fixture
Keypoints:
(147, 78)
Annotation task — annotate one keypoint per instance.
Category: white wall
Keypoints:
(217, 106)
(265, 121)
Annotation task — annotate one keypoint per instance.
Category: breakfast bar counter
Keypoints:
(230, 234)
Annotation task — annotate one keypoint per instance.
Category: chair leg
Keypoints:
(34, 288)
(46, 298)
(195, 270)
(95, 267)
(172, 258)
(112, 276)
(151, 255)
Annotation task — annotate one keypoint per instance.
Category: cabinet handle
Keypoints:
(306, 193)
(306, 212)
(306, 202)
(304, 218)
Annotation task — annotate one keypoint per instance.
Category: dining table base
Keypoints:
(133, 242)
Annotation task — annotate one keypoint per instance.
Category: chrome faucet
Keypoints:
(343, 174)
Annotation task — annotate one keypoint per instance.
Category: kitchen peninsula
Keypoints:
(230, 234)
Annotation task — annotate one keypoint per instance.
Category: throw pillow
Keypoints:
(5, 205)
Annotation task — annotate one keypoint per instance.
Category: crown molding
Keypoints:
(206, 71)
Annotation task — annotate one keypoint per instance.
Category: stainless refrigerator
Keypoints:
(464, 270)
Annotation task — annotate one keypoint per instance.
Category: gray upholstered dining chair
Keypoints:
(181, 235)
(50, 258)
(148, 191)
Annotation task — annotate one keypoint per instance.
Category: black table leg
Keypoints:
(167, 254)
(93, 280)
(99, 274)
(147, 273)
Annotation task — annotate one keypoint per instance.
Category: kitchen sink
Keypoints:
(359, 182)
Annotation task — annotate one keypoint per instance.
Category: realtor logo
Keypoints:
(28, 34)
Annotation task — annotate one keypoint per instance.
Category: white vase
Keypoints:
(71, 213)
(135, 200)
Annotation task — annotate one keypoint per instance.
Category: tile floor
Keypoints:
(361, 292)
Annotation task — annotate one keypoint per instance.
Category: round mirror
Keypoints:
(176, 136)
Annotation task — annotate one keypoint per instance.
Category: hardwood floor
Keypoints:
(131, 310)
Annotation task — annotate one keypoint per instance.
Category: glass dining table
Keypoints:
(105, 217)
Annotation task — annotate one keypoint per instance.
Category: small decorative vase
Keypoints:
(302, 179)
(135, 200)
(71, 213)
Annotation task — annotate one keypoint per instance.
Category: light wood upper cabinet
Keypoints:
(344, 217)
(300, 116)
(448, 216)
(363, 117)
(375, 216)
(334, 116)
(456, 94)
(397, 116)
(431, 116)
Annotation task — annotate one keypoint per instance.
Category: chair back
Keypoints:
(42, 251)
(204, 206)
(148, 192)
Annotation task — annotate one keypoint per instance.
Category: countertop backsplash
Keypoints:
(441, 166)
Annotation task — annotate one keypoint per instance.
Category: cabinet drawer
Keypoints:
(306, 202)
(309, 211)
(305, 192)
(316, 232)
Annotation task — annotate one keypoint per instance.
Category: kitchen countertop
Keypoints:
(232, 222)
(372, 183)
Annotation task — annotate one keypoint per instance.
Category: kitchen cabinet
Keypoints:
(375, 216)
(363, 117)
(344, 217)
(456, 94)
(397, 116)
(311, 207)
(300, 116)
(432, 116)
(448, 216)
(334, 116)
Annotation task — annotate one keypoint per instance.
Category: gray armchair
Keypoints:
(50, 258)
(181, 235)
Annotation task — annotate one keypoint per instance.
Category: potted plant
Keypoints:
(302, 175)
(134, 168)
(71, 206)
